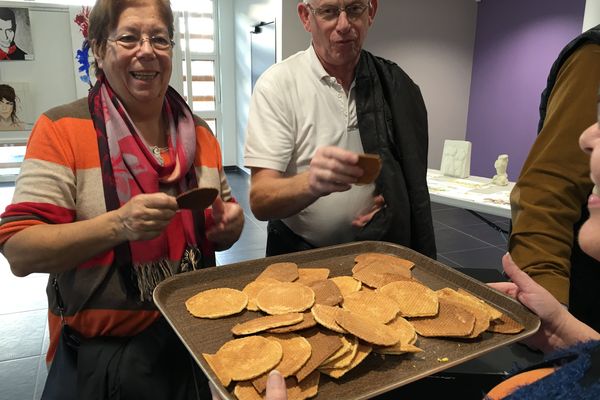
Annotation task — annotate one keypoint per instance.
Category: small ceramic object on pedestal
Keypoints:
(456, 158)
(501, 178)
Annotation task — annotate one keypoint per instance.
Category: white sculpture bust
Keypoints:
(456, 158)
(501, 178)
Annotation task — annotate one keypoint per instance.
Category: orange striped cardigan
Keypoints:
(61, 182)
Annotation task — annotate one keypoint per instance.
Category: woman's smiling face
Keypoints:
(139, 76)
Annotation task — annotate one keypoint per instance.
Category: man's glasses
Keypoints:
(330, 12)
(130, 42)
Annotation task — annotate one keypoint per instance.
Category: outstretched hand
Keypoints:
(145, 216)
(553, 332)
(228, 224)
(332, 169)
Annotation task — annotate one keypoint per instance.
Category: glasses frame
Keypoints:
(316, 12)
(140, 43)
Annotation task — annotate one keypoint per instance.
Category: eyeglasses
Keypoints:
(331, 12)
(130, 42)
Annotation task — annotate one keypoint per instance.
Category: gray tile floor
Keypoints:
(462, 239)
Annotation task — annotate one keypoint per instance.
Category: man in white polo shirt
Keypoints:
(312, 114)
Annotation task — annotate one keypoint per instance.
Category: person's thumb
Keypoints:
(276, 389)
(218, 209)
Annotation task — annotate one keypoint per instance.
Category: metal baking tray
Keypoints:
(376, 374)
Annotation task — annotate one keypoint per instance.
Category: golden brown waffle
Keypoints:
(451, 321)
(216, 303)
(263, 323)
(308, 275)
(259, 354)
(413, 298)
(373, 304)
(283, 272)
(285, 298)
(367, 328)
(307, 322)
(326, 292)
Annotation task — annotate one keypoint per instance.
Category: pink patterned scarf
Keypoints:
(129, 168)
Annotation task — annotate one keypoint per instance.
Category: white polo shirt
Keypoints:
(296, 108)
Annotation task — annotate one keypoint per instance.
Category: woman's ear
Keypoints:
(98, 52)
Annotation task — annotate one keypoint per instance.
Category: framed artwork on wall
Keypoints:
(15, 34)
(15, 106)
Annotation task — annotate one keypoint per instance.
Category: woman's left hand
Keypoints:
(228, 223)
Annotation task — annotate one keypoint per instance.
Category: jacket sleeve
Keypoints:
(554, 183)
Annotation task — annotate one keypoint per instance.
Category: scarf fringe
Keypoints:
(149, 275)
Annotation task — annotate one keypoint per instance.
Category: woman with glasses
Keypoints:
(95, 207)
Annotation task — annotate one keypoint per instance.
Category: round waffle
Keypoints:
(285, 297)
(296, 352)
(216, 303)
(197, 199)
(388, 259)
(283, 272)
(253, 288)
(414, 298)
(346, 284)
(451, 321)
(259, 355)
(325, 315)
(367, 329)
(375, 305)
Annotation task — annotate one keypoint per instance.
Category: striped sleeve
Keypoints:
(46, 187)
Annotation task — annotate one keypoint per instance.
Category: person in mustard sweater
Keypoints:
(548, 200)
(95, 208)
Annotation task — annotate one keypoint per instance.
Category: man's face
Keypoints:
(7, 33)
(337, 41)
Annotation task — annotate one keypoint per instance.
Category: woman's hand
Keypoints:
(558, 327)
(228, 223)
(145, 216)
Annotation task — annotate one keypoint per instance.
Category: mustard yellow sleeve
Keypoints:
(554, 183)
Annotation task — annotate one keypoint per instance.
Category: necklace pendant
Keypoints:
(156, 150)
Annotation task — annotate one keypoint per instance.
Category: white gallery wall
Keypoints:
(591, 17)
(432, 40)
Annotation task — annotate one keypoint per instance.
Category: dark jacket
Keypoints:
(585, 270)
(393, 123)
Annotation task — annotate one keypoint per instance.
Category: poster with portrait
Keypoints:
(15, 106)
(15, 34)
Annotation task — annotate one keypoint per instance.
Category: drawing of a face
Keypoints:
(7, 33)
(6, 108)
